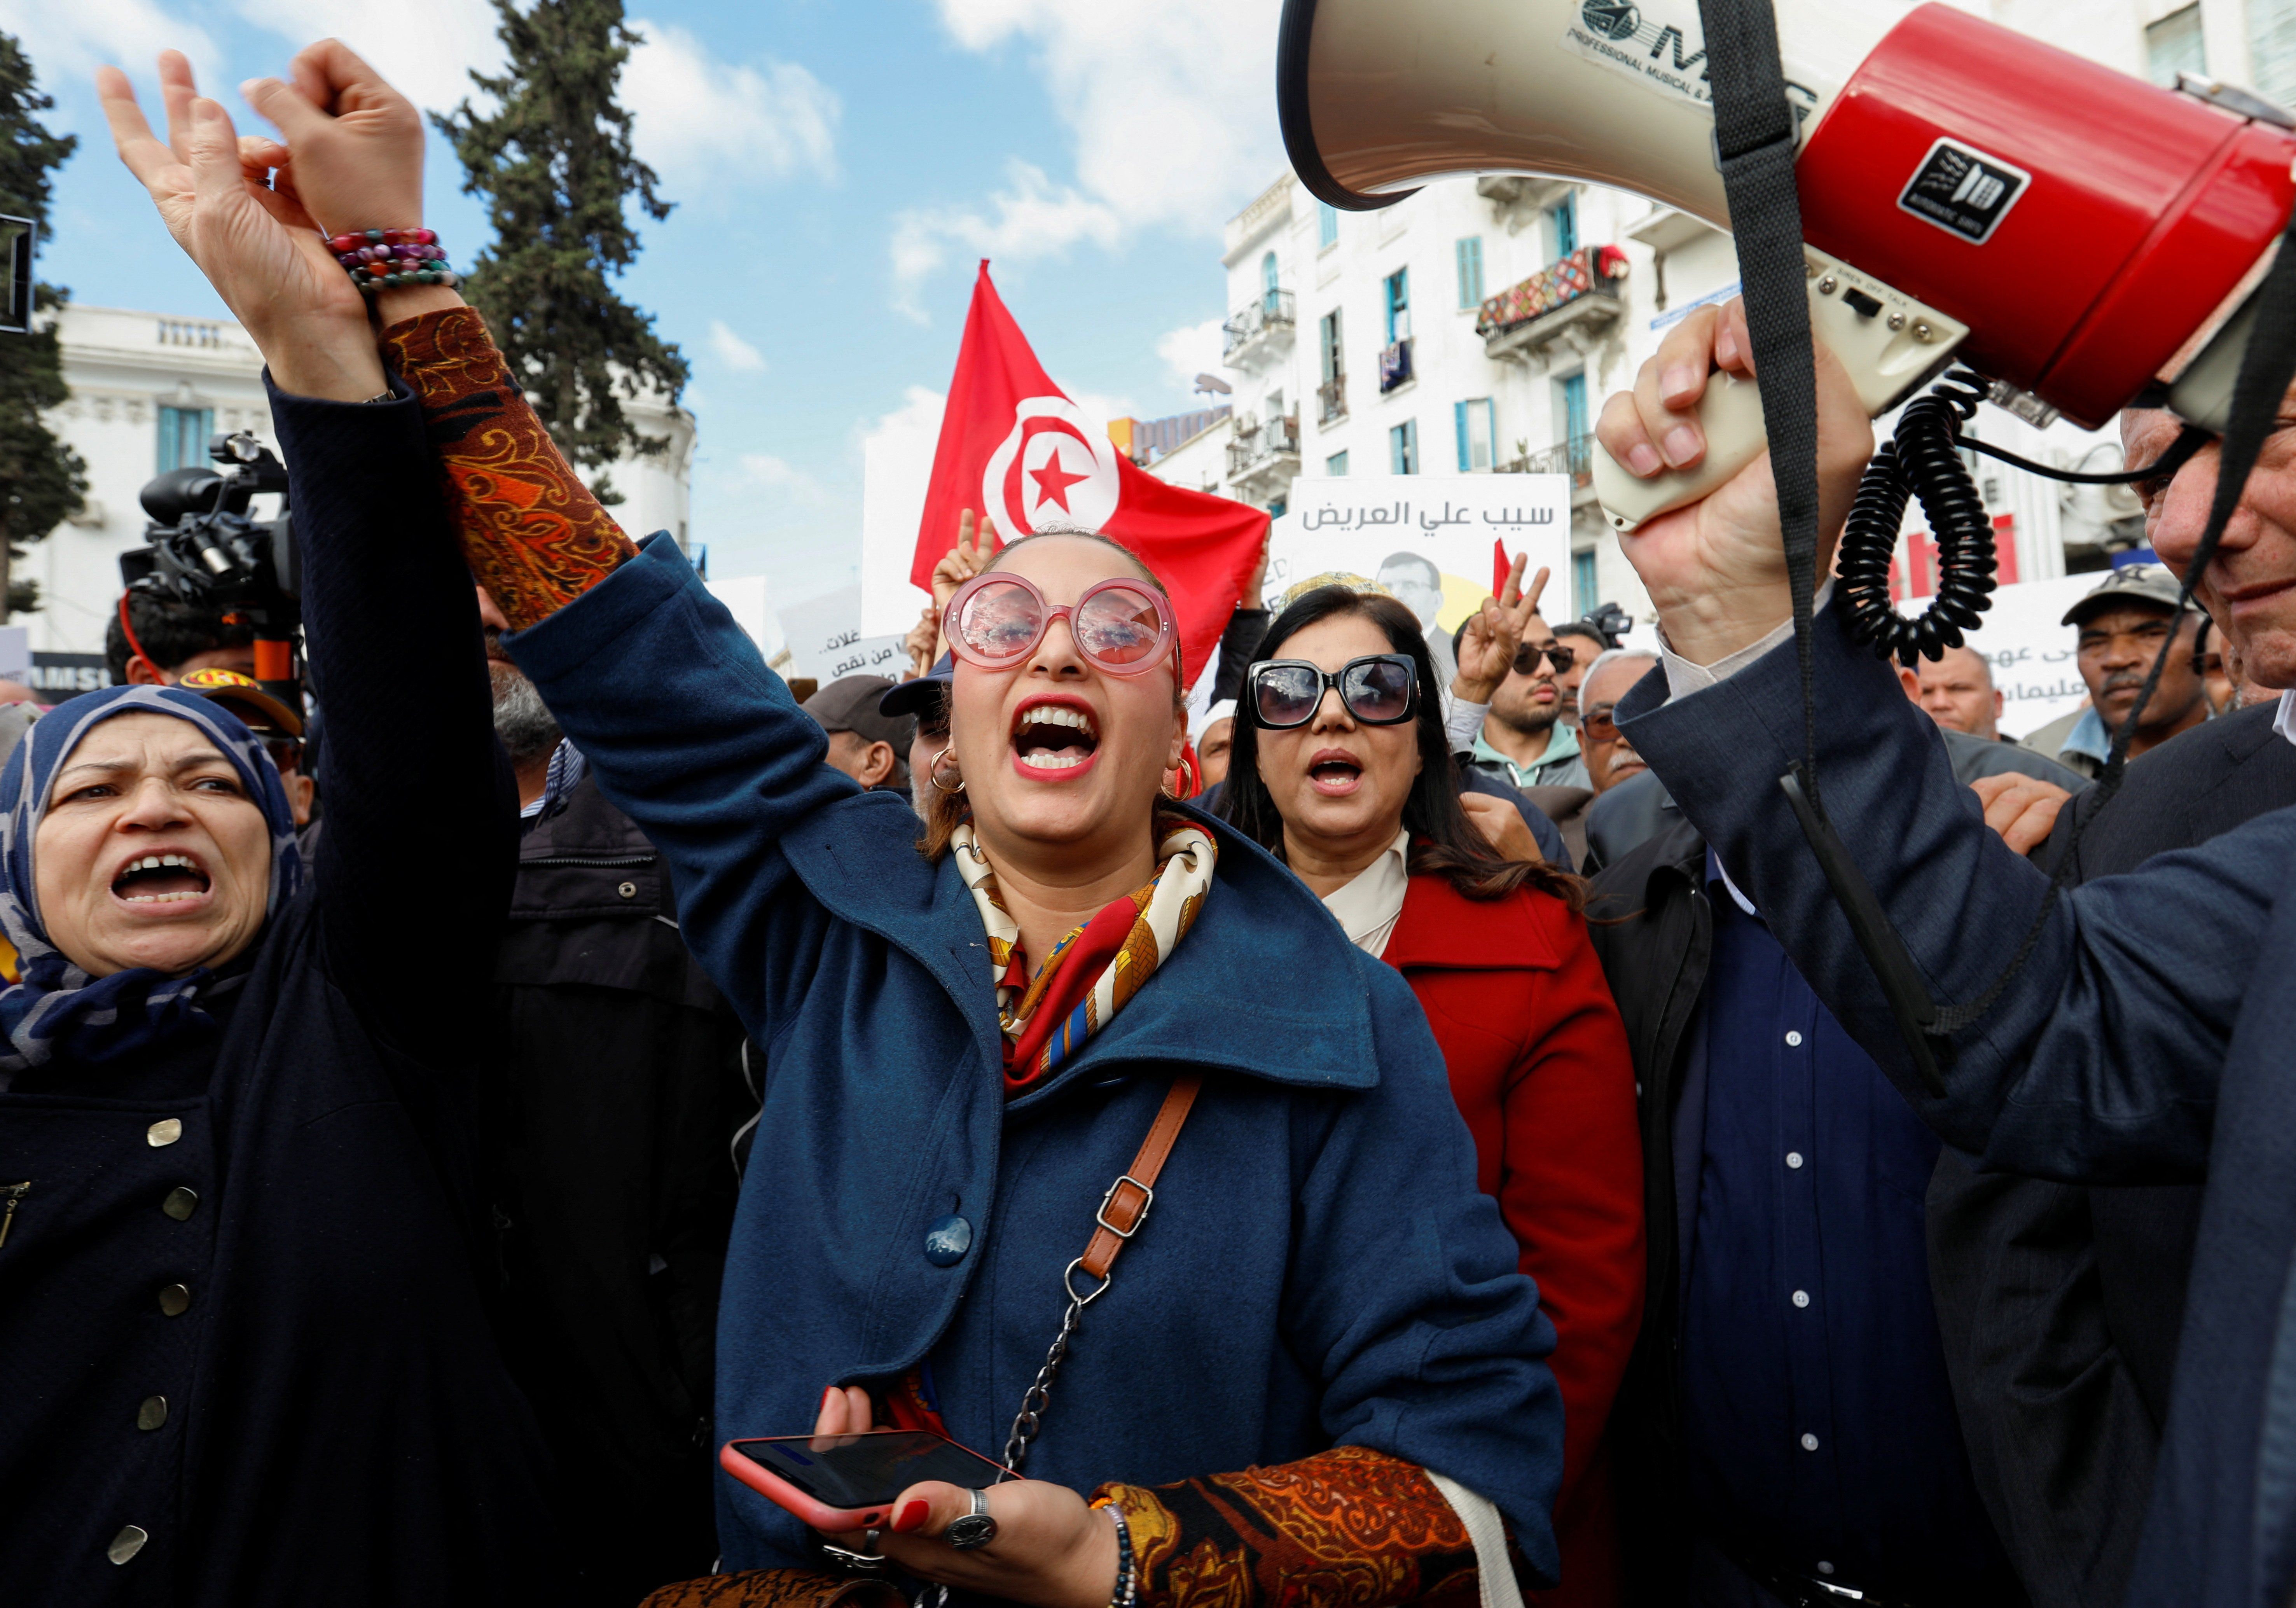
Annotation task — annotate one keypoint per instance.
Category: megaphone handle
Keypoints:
(1887, 341)
(1730, 415)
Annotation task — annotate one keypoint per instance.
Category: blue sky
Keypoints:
(839, 169)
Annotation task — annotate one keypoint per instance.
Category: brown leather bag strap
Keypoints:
(1125, 1206)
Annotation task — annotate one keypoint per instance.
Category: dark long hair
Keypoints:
(1444, 842)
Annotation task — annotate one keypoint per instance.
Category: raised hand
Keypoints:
(975, 547)
(922, 642)
(1502, 826)
(354, 150)
(1716, 567)
(254, 245)
(1488, 639)
(1051, 1550)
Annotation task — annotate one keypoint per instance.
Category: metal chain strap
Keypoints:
(1030, 1418)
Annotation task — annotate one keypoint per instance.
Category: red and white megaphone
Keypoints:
(1967, 193)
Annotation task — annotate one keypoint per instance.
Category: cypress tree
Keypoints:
(42, 480)
(554, 163)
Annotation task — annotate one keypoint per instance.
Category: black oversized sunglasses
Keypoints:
(1527, 657)
(1380, 689)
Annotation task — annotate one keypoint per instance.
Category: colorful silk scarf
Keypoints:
(1095, 969)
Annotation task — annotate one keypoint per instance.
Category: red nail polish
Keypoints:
(910, 1518)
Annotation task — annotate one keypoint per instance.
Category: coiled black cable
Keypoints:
(1922, 460)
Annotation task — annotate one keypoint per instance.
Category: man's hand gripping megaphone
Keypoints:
(1716, 569)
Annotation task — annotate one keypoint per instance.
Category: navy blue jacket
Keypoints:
(2142, 1043)
(1319, 1268)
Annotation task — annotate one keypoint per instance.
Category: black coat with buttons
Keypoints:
(244, 1358)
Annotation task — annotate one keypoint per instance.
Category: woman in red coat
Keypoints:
(1341, 767)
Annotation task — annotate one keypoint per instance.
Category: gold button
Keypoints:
(176, 1300)
(128, 1543)
(152, 1413)
(166, 1131)
(181, 1202)
(627, 890)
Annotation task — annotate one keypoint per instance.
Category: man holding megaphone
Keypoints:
(2140, 1042)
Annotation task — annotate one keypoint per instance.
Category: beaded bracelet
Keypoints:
(376, 258)
(1127, 1568)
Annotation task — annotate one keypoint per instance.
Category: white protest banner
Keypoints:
(1427, 537)
(825, 640)
(2031, 648)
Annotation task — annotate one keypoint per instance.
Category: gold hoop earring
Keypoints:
(933, 773)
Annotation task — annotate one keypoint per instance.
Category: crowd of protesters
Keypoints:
(423, 1148)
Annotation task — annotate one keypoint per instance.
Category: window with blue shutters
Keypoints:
(1475, 424)
(183, 437)
(1327, 226)
(1583, 598)
(1471, 271)
(1403, 448)
(1573, 387)
(1563, 221)
(1336, 466)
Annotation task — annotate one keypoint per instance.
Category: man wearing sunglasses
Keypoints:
(1525, 741)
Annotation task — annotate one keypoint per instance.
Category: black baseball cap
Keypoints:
(914, 697)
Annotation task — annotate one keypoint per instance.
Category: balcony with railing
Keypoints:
(1264, 453)
(1574, 458)
(1259, 330)
(1569, 302)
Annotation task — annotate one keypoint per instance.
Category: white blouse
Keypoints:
(1368, 904)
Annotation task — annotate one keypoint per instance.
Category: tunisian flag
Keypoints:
(1012, 445)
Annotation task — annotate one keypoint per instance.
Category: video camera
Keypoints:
(204, 550)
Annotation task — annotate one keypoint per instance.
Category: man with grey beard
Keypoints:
(617, 1095)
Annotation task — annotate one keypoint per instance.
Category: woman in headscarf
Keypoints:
(1341, 767)
(243, 1358)
(1317, 1370)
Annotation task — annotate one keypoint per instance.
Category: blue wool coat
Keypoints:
(1318, 1268)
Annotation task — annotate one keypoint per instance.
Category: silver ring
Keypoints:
(975, 1529)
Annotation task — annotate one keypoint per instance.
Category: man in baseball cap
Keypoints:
(864, 742)
(2122, 623)
(279, 726)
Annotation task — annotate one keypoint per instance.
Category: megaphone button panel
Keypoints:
(2120, 181)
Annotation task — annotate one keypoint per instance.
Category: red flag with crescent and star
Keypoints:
(1014, 445)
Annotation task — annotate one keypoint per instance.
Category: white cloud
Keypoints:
(700, 118)
(1172, 105)
(1192, 349)
(1032, 218)
(763, 469)
(1100, 407)
(733, 351)
(426, 48)
(69, 39)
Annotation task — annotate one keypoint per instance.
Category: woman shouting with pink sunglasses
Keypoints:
(1088, 1140)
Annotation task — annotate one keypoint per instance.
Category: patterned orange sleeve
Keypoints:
(529, 528)
(777, 1588)
(1350, 1525)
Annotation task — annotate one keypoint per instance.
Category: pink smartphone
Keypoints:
(839, 1482)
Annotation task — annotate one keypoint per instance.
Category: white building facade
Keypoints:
(1476, 325)
(149, 389)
